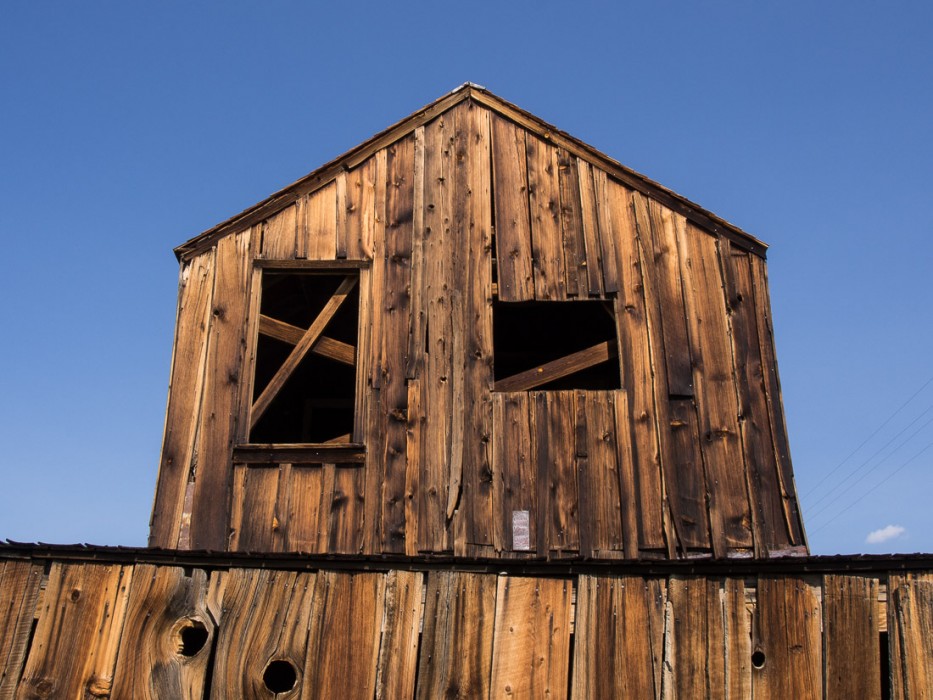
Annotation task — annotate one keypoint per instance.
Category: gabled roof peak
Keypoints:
(479, 95)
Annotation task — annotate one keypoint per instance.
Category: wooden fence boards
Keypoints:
(19, 591)
(531, 644)
(265, 618)
(457, 641)
(154, 660)
(787, 633)
(910, 635)
(74, 649)
(850, 637)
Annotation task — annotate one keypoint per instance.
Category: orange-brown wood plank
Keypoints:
(169, 635)
(557, 523)
(255, 524)
(360, 216)
(618, 632)
(628, 482)
(775, 402)
(74, 648)
(571, 226)
(693, 518)
(378, 280)
(457, 639)
(600, 501)
(696, 649)
(609, 258)
(714, 382)
(317, 231)
(910, 635)
(224, 371)
(737, 642)
(544, 210)
(660, 241)
(346, 510)
(195, 293)
(531, 644)
(342, 229)
(307, 514)
(592, 260)
(476, 413)
(787, 634)
(443, 284)
(19, 591)
(851, 637)
(556, 369)
(396, 327)
(398, 652)
(773, 529)
(279, 233)
(418, 301)
(637, 374)
(513, 227)
(343, 643)
(265, 618)
(514, 467)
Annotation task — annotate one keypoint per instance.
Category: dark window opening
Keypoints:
(555, 345)
(311, 401)
(885, 665)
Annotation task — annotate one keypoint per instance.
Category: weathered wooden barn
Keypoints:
(471, 411)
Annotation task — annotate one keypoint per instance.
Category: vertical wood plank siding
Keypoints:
(689, 456)
(124, 630)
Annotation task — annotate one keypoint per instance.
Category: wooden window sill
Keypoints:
(348, 454)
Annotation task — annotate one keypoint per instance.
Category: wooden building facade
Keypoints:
(475, 335)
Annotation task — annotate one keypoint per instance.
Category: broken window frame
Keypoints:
(309, 342)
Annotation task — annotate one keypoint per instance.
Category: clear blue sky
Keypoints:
(128, 127)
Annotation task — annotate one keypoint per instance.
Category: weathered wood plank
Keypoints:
(457, 640)
(326, 347)
(627, 476)
(476, 502)
(266, 617)
(398, 652)
(544, 210)
(418, 303)
(225, 368)
(714, 383)
(514, 468)
(19, 591)
(618, 638)
(254, 522)
(74, 649)
(787, 634)
(307, 514)
(378, 281)
(599, 483)
(170, 634)
(443, 281)
(737, 640)
(772, 528)
(531, 646)
(414, 450)
(342, 229)
(357, 208)
(693, 518)
(192, 323)
(910, 635)
(346, 510)
(637, 374)
(396, 329)
(571, 226)
(513, 227)
(609, 257)
(317, 233)
(696, 652)
(850, 637)
(592, 261)
(556, 369)
(279, 234)
(343, 643)
(775, 402)
(556, 470)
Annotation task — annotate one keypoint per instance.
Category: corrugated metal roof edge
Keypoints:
(327, 172)
(792, 565)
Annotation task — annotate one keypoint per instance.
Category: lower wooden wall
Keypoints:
(140, 630)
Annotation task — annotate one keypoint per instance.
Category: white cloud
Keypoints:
(885, 534)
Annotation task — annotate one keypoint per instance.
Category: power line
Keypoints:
(865, 441)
